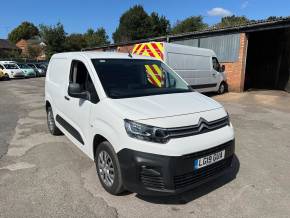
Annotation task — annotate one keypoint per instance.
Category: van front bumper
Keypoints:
(151, 174)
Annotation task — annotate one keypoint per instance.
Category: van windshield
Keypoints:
(125, 78)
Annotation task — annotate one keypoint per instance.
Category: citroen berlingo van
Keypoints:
(144, 136)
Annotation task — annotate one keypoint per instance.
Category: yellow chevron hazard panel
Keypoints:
(155, 75)
(151, 49)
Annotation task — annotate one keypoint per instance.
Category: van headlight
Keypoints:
(146, 132)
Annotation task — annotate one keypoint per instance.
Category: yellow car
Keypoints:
(3, 76)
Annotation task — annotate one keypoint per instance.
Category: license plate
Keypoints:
(208, 160)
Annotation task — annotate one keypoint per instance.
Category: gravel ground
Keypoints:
(46, 176)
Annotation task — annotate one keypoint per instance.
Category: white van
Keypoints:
(11, 69)
(199, 67)
(144, 137)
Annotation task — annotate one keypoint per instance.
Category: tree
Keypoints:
(25, 30)
(54, 38)
(160, 26)
(191, 24)
(10, 54)
(134, 24)
(271, 18)
(96, 38)
(33, 51)
(232, 21)
(75, 42)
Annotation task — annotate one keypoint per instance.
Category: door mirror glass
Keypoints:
(74, 90)
(222, 68)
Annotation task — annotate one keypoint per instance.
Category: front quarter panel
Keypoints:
(107, 123)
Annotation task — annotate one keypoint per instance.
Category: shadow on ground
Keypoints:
(199, 191)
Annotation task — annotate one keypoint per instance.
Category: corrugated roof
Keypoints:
(252, 26)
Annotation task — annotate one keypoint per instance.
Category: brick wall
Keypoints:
(22, 44)
(236, 71)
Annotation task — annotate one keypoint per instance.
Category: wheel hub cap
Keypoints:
(106, 168)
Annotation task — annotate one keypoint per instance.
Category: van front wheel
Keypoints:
(51, 123)
(223, 88)
(108, 168)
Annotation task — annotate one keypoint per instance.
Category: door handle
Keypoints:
(214, 74)
(66, 98)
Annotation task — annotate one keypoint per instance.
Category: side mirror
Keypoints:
(74, 90)
(222, 68)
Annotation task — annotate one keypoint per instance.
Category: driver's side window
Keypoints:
(79, 74)
(215, 64)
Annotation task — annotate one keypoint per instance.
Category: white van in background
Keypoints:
(11, 69)
(199, 67)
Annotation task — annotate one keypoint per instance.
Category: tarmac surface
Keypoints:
(47, 176)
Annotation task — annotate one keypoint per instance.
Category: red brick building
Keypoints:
(34, 44)
(256, 55)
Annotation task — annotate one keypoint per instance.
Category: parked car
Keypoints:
(3, 76)
(144, 137)
(39, 70)
(28, 71)
(199, 67)
(11, 69)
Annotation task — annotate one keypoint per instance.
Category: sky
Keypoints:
(79, 15)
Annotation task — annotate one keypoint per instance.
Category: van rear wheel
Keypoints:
(223, 88)
(108, 168)
(51, 123)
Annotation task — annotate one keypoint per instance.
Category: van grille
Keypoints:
(188, 179)
(202, 127)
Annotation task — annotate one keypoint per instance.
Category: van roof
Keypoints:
(189, 49)
(99, 55)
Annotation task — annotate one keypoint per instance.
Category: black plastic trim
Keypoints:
(203, 126)
(152, 174)
(70, 129)
(202, 86)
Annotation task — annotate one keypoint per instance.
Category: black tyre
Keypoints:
(223, 88)
(51, 123)
(108, 168)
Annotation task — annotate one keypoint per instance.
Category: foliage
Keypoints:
(33, 51)
(10, 54)
(96, 38)
(274, 18)
(54, 38)
(75, 42)
(25, 30)
(136, 24)
(232, 21)
(190, 24)
(160, 26)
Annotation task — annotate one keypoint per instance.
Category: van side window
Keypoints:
(215, 64)
(79, 74)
